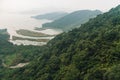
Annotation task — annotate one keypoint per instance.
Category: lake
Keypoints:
(15, 22)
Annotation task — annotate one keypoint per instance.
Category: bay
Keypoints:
(13, 22)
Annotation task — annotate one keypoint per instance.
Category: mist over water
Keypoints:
(19, 21)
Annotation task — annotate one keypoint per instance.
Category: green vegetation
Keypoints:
(72, 20)
(91, 52)
(32, 33)
(51, 16)
(12, 54)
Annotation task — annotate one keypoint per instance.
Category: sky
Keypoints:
(36, 6)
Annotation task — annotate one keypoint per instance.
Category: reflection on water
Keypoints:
(27, 42)
(15, 22)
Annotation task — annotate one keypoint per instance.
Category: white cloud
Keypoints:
(44, 5)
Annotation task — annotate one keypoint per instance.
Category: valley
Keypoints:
(64, 45)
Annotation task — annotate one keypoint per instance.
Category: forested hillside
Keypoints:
(11, 55)
(72, 20)
(10, 52)
(91, 52)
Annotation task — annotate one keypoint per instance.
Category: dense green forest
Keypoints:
(72, 20)
(91, 52)
(11, 55)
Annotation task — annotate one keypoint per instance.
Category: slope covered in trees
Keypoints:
(91, 52)
(72, 20)
(12, 54)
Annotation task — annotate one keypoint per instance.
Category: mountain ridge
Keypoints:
(72, 20)
(51, 16)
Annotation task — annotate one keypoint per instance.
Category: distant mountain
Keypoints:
(51, 16)
(72, 20)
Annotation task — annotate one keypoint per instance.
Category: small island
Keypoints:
(32, 33)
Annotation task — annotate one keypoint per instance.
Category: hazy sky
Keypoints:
(55, 5)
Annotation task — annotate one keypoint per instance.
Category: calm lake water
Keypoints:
(15, 22)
